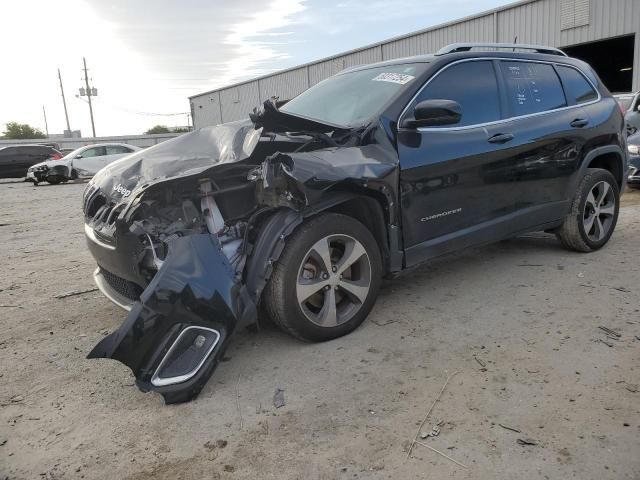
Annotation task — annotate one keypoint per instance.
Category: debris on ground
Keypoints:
(527, 441)
(608, 331)
(513, 429)
(632, 388)
(435, 431)
(278, 398)
(440, 453)
(482, 363)
(75, 293)
(209, 445)
(426, 417)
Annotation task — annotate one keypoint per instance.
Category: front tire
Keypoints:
(327, 279)
(594, 212)
(55, 180)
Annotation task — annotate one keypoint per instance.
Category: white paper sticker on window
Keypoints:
(399, 78)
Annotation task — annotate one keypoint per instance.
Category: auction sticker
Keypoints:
(400, 78)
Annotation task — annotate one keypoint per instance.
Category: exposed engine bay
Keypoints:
(193, 226)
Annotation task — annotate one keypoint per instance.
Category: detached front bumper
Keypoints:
(175, 334)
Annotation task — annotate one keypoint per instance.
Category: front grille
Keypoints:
(94, 204)
(124, 287)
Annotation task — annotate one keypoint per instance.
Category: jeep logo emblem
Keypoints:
(121, 190)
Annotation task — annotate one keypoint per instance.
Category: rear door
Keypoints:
(550, 130)
(8, 162)
(26, 156)
(114, 152)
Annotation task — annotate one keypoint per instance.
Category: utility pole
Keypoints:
(86, 81)
(46, 126)
(64, 102)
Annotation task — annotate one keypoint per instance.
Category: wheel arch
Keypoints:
(369, 211)
(610, 158)
(277, 227)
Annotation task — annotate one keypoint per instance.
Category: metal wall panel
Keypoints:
(206, 110)
(321, 70)
(474, 30)
(284, 85)
(531, 21)
(238, 101)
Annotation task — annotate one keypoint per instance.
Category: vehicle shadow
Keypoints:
(427, 276)
(5, 181)
(265, 346)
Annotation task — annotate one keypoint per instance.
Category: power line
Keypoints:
(137, 112)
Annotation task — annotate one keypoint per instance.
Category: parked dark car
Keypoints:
(633, 146)
(16, 159)
(305, 207)
(630, 105)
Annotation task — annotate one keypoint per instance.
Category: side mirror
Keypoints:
(434, 113)
(79, 155)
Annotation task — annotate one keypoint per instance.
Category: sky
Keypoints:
(146, 57)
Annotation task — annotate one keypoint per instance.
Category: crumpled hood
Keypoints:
(188, 154)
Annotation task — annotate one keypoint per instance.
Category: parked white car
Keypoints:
(82, 162)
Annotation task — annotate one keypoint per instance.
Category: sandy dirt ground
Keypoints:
(516, 324)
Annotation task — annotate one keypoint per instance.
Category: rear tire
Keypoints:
(594, 212)
(327, 279)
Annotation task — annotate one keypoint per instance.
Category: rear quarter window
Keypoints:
(531, 88)
(577, 88)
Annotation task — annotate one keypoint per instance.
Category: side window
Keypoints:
(32, 151)
(116, 150)
(473, 85)
(531, 88)
(94, 152)
(576, 86)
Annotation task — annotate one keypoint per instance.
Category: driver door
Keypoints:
(451, 177)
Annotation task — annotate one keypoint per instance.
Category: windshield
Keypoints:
(349, 99)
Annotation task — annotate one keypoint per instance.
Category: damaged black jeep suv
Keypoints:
(308, 204)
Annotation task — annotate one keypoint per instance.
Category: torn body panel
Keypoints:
(189, 231)
(196, 290)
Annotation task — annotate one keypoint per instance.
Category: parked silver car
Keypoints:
(82, 162)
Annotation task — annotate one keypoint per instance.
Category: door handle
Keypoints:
(579, 123)
(501, 138)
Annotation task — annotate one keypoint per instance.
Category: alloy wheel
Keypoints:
(599, 211)
(333, 280)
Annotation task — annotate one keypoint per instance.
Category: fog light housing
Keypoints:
(185, 357)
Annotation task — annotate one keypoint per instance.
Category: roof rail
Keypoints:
(465, 47)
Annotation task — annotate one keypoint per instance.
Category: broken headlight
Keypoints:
(185, 357)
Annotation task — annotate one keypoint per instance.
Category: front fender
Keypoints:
(174, 337)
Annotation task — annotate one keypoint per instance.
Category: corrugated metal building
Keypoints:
(605, 33)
